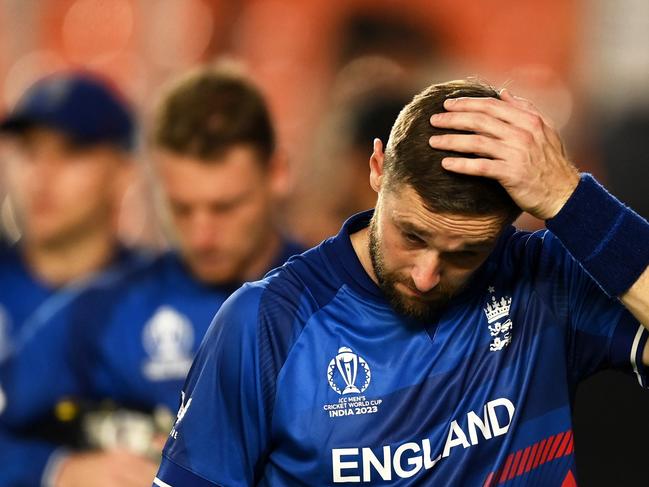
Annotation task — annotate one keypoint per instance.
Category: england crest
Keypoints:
(499, 323)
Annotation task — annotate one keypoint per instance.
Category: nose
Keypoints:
(201, 235)
(426, 271)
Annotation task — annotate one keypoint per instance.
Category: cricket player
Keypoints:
(429, 342)
(67, 146)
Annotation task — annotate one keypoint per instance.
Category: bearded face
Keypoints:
(423, 259)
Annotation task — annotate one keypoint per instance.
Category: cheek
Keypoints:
(181, 224)
(457, 276)
(90, 182)
(17, 173)
(251, 216)
(395, 258)
(23, 185)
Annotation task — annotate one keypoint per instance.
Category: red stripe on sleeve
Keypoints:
(537, 459)
(564, 445)
(546, 450)
(555, 446)
(530, 461)
(508, 463)
(570, 446)
(521, 466)
(512, 472)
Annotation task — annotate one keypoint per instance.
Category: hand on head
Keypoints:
(516, 146)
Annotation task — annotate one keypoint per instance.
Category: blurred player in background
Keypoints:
(219, 174)
(67, 147)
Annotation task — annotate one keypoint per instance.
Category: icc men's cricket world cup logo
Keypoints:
(346, 370)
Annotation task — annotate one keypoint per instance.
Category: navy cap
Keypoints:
(81, 105)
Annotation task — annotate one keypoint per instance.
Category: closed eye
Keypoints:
(413, 238)
(462, 258)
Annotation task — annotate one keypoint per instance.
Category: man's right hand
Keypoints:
(106, 469)
(519, 148)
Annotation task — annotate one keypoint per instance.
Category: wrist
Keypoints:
(608, 239)
(565, 195)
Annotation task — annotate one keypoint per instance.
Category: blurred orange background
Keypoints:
(311, 57)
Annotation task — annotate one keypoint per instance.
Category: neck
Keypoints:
(57, 265)
(264, 258)
(361, 244)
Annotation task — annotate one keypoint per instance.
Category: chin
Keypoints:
(45, 238)
(213, 276)
(418, 308)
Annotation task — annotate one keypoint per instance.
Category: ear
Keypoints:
(280, 175)
(124, 176)
(376, 166)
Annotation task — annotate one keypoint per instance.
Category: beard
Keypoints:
(422, 307)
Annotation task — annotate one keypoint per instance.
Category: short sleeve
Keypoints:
(601, 332)
(221, 432)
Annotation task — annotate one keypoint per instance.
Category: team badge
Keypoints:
(168, 338)
(499, 322)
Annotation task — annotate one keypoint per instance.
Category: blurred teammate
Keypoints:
(219, 175)
(429, 342)
(66, 145)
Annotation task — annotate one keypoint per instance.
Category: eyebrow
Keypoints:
(408, 227)
(478, 245)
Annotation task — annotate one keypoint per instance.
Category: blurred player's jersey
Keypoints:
(309, 378)
(125, 345)
(26, 302)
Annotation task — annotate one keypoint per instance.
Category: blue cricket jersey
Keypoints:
(308, 377)
(26, 302)
(28, 307)
(131, 340)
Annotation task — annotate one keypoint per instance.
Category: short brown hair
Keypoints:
(210, 110)
(411, 160)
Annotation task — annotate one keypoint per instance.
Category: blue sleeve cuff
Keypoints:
(637, 353)
(606, 237)
(171, 474)
(53, 467)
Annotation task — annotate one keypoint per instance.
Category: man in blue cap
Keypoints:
(66, 147)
